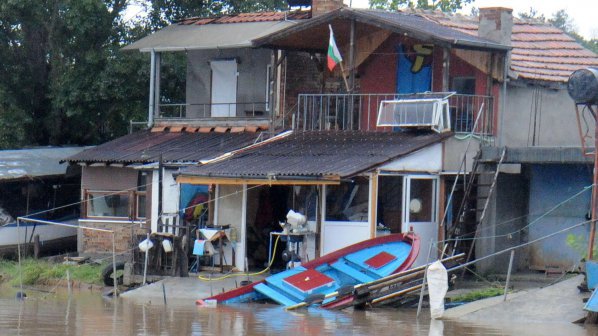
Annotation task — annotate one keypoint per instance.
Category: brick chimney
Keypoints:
(319, 7)
(496, 24)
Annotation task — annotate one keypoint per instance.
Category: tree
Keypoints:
(443, 5)
(63, 76)
(563, 21)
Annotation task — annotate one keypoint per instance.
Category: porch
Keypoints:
(359, 111)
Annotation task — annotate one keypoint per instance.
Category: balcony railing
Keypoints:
(220, 110)
(360, 112)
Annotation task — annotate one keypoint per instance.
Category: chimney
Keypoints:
(496, 24)
(319, 7)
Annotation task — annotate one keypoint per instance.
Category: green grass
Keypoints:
(39, 272)
(478, 294)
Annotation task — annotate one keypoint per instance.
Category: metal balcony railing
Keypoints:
(219, 110)
(360, 112)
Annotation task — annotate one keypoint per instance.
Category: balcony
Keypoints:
(360, 112)
(207, 114)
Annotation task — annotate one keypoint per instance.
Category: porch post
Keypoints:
(446, 62)
(242, 253)
(323, 218)
(150, 112)
(157, 84)
(373, 203)
(352, 58)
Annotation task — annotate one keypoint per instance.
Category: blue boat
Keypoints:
(363, 262)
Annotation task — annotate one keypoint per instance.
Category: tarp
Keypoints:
(437, 287)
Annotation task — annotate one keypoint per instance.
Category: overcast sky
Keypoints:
(583, 12)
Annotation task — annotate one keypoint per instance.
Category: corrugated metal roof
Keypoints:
(37, 162)
(540, 51)
(174, 147)
(230, 31)
(318, 154)
(312, 34)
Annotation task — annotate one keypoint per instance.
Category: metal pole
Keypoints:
(509, 274)
(423, 288)
(115, 281)
(145, 262)
(150, 112)
(68, 281)
(19, 253)
(594, 198)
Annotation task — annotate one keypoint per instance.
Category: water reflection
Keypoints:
(87, 313)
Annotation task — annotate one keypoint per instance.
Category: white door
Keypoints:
(420, 212)
(224, 88)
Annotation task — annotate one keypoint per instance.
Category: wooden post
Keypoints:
(36, 246)
(509, 274)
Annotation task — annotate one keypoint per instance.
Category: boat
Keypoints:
(52, 238)
(356, 264)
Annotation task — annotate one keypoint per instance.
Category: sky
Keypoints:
(583, 12)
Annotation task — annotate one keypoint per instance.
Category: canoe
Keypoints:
(53, 238)
(359, 263)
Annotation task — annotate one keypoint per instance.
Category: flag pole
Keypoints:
(344, 77)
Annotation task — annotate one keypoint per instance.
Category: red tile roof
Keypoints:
(540, 51)
(249, 17)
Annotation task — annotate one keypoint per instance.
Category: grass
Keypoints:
(40, 272)
(478, 294)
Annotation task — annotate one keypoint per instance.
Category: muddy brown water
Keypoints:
(88, 313)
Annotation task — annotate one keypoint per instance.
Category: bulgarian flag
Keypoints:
(334, 56)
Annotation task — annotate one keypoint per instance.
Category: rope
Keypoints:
(244, 274)
(526, 226)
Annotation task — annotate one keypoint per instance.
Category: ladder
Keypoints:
(483, 193)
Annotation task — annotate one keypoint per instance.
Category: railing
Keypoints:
(360, 112)
(219, 110)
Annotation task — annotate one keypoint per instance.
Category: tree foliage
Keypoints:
(63, 76)
(443, 5)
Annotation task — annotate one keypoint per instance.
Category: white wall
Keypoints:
(251, 85)
(230, 210)
(427, 159)
(548, 113)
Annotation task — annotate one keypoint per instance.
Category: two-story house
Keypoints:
(425, 100)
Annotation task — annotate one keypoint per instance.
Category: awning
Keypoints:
(310, 157)
(38, 162)
(179, 37)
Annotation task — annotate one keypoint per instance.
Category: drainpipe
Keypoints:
(160, 196)
(503, 107)
(150, 113)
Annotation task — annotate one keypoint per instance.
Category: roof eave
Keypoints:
(367, 18)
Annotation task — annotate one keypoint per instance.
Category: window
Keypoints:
(416, 111)
(107, 204)
(348, 201)
(464, 85)
(129, 204)
(140, 195)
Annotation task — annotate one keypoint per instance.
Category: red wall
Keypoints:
(378, 74)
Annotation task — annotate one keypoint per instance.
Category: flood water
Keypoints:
(88, 313)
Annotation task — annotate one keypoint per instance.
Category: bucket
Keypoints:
(167, 245)
(145, 245)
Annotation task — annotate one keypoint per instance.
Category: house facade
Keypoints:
(298, 133)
